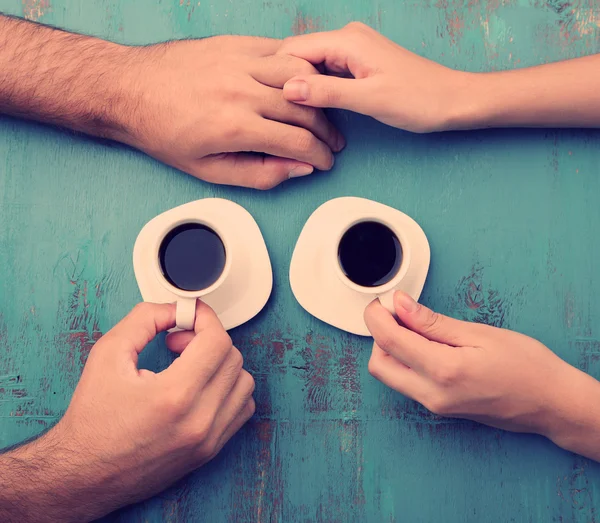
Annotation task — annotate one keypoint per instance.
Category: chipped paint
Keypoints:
(348, 369)
(305, 24)
(14, 393)
(259, 480)
(82, 324)
(575, 491)
(35, 9)
(455, 26)
(482, 304)
(576, 19)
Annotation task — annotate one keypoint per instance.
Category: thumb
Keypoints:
(249, 170)
(434, 326)
(327, 91)
(141, 325)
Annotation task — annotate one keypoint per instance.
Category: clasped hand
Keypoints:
(214, 108)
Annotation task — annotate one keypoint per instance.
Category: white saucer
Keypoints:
(313, 278)
(248, 284)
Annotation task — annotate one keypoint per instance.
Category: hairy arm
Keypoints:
(39, 482)
(198, 105)
(65, 79)
(129, 433)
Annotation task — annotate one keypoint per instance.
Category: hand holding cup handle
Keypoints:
(354, 251)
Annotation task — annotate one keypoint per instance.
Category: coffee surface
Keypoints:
(192, 257)
(370, 254)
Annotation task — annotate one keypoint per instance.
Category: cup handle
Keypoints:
(185, 317)
(387, 300)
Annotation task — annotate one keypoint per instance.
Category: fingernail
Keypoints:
(406, 302)
(301, 170)
(296, 91)
(340, 144)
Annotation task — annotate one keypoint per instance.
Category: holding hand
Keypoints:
(490, 375)
(213, 108)
(374, 76)
(204, 105)
(130, 433)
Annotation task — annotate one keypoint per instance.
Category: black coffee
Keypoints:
(192, 257)
(370, 254)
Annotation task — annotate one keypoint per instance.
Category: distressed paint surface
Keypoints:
(512, 217)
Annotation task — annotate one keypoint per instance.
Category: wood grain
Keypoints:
(512, 217)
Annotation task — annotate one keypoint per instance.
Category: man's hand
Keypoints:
(372, 75)
(490, 375)
(129, 433)
(205, 105)
(213, 108)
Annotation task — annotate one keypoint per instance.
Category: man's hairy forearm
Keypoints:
(29, 475)
(47, 480)
(65, 79)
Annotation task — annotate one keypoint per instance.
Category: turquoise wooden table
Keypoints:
(513, 221)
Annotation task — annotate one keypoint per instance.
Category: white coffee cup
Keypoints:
(186, 300)
(385, 293)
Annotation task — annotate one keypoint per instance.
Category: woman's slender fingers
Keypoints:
(406, 346)
(393, 373)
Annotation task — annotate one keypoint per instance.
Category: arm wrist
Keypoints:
(561, 94)
(486, 100)
(55, 479)
(31, 478)
(573, 417)
(468, 106)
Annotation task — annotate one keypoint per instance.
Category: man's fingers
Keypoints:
(330, 91)
(205, 353)
(275, 70)
(408, 347)
(178, 341)
(256, 171)
(393, 373)
(249, 45)
(224, 384)
(237, 409)
(263, 45)
(233, 404)
(243, 417)
(141, 325)
(316, 48)
(278, 109)
(437, 327)
(288, 141)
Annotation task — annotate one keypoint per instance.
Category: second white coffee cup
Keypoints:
(371, 256)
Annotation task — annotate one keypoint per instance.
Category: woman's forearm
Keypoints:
(561, 94)
(574, 423)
